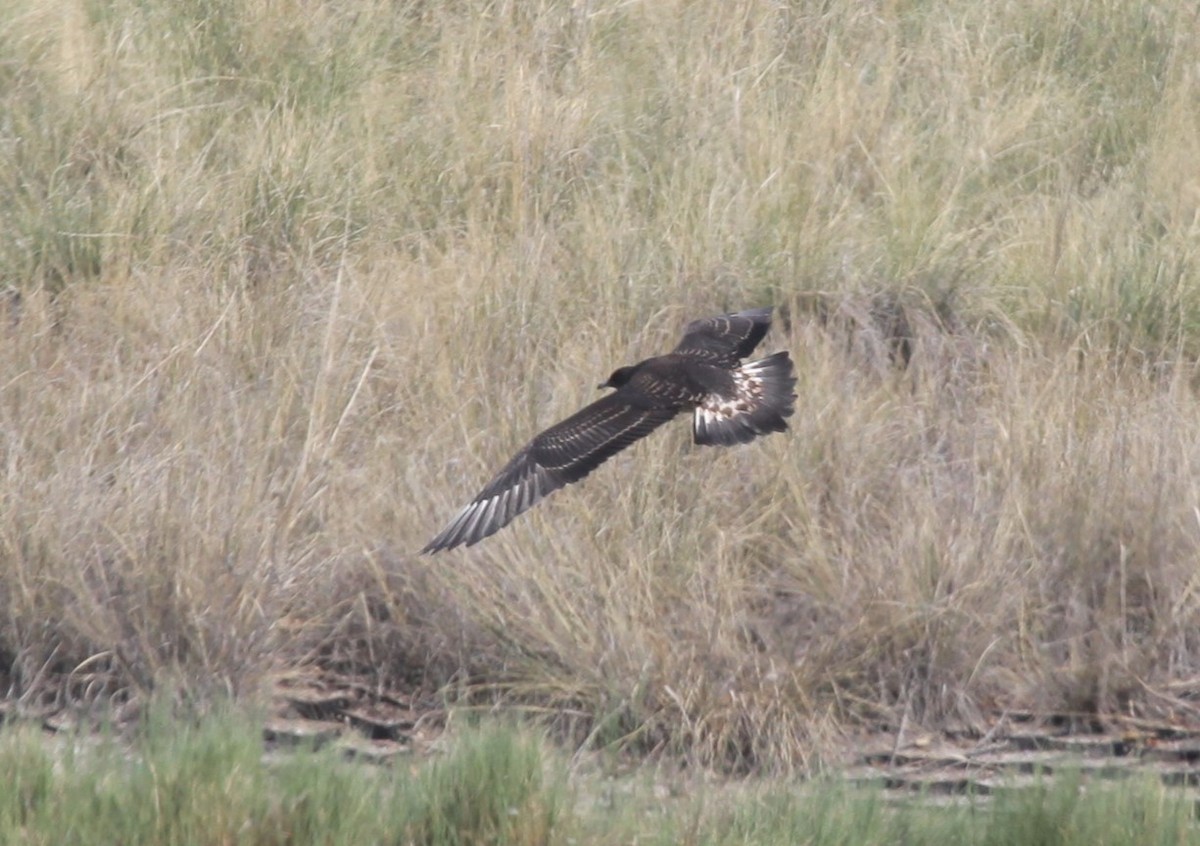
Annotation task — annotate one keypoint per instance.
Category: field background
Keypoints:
(283, 283)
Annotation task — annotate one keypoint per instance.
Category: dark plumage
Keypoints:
(732, 403)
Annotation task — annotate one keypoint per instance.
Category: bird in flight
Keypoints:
(732, 403)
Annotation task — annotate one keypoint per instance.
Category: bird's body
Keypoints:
(732, 403)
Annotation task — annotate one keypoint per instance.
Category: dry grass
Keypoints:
(284, 283)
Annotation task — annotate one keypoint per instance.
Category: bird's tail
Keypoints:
(762, 399)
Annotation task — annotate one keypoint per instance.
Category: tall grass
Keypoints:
(284, 283)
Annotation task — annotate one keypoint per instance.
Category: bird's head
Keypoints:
(618, 378)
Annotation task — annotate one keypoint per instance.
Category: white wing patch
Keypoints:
(748, 393)
(760, 399)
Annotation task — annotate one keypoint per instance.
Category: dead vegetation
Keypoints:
(275, 304)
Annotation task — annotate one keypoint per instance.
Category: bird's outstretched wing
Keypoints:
(564, 453)
(726, 338)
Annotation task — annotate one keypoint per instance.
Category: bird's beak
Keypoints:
(601, 386)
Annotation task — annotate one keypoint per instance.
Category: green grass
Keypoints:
(205, 780)
(282, 284)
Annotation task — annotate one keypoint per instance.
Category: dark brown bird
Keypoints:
(733, 403)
